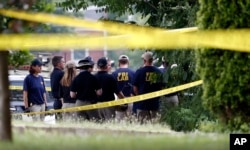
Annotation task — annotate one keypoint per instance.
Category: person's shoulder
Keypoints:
(40, 76)
(108, 76)
(131, 70)
(61, 72)
(155, 68)
(140, 68)
(116, 71)
(27, 77)
(57, 70)
(158, 69)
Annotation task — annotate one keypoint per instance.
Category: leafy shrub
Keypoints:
(182, 119)
(225, 74)
(190, 112)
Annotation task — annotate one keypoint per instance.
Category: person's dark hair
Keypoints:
(31, 70)
(123, 61)
(103, 62)
(56, 60)
(87, 67)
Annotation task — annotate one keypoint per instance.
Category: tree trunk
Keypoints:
(5, 118)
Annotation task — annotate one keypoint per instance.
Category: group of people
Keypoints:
(76, 85)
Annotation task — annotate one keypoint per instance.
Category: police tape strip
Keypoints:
(121, 101)
(135, 36)
(117, 28)
(235, 40)
(13, 87)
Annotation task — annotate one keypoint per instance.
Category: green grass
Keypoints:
(43, 141)
(151, 136)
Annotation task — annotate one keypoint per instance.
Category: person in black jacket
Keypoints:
(69, 74)
(109, 88)
(86, 88)
(55, 78)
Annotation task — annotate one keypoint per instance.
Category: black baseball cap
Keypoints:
(102, 62)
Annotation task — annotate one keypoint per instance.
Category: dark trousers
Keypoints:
(58, 105)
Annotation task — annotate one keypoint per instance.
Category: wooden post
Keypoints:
(5, 118)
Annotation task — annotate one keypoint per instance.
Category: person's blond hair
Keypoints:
(69, 74)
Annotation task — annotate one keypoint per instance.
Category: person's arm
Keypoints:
(61, 93)
(62, 100)
(135, 89)
(120, 95)
(99, 92)
(72, 94)
(45, 99)
(25, 99)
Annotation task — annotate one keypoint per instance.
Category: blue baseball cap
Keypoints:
(36, 62)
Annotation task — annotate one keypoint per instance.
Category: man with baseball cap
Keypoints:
(147, 79)
(124, 77)
(109, 88)
(86, 88)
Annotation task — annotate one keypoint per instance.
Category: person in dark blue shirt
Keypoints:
(147, 79)
(55, 78)
(86, 88)
(34, 92)
(124, 77)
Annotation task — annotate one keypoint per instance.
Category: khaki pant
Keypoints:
(119, 115)
(38, 108)
(107, 113)
(68, 116)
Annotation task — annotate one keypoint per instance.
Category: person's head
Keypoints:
(123, 60)
(35, 67)
(147, 57)
(103, 64)
(58, 62)
(85, 64)
(69, 73)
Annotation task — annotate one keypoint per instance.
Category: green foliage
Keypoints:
(12, 25)
(212, 126)
(183, 120)
(189, 114)
(225, 74)
(18, 58)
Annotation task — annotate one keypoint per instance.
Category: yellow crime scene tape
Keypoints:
(235, 40)
(121, 101)
(117, 28)
(13, 87)
(128, 36)
(132, 36)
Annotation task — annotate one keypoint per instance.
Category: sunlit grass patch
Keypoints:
(147, 136)
(30, 139)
